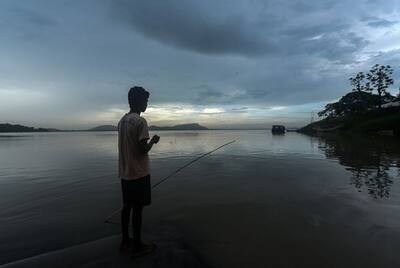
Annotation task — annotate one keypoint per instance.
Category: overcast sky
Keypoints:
(70, 64)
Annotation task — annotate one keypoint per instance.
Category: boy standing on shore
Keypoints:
(134, 171)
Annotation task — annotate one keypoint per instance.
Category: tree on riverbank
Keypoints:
(351, 103)
(357, 83)
(380, 78)
(361, 99)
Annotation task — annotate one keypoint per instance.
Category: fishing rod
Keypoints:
(173, 173)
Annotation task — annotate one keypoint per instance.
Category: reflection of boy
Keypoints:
(134, 171)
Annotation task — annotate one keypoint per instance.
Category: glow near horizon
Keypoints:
(173, 114)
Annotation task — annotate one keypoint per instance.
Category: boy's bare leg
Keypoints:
(137, 225)
(139, 247)
(125, 215)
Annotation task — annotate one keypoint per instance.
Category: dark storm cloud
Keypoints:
(333, 41)
(205, 95)
(382, 23)
(27, 23)
(339, 46)
(35, 18)
(379, 22)
(194, 26)
(302, 31)
(260, 28)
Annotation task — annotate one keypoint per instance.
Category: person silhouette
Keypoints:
(134, 170)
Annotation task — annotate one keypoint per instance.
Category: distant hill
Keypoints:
(104, 128)
(193, 126)
(177, 127)
(20, 128)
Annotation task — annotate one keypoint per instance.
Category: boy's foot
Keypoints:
(125, 245)
(143, 249)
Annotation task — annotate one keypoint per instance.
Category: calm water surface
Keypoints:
(302, 200)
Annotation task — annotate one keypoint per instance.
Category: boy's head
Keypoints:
(138, 98)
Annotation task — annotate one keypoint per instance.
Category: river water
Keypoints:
(283, 200)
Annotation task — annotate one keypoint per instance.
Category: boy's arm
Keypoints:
(144, 146)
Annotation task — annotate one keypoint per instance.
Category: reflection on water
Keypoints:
(291, 177)
(373, 162)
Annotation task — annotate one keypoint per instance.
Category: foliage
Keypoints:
(358, 83)
(367, 122)
(361, 98)
(351, 103)
(380, 79)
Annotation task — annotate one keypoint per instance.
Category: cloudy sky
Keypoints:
(70, 64)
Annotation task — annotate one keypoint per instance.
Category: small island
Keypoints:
(361, 111)
(6, 127)
(104, 128)
(20, 128)
(193, 126)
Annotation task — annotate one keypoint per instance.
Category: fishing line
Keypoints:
(172, 174)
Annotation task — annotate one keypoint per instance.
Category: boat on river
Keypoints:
(278, 129)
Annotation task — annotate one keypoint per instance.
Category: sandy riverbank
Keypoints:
(316, 232)
(170, 252)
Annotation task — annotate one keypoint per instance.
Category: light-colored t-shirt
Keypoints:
(132, 128)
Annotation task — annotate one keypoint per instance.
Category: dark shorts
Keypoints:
(136, 192)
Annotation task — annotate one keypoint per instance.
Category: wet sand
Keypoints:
(104, 252)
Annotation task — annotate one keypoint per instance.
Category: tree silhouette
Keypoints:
(349, 104)
(362, 99)
(380, 79)
(358, 83)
